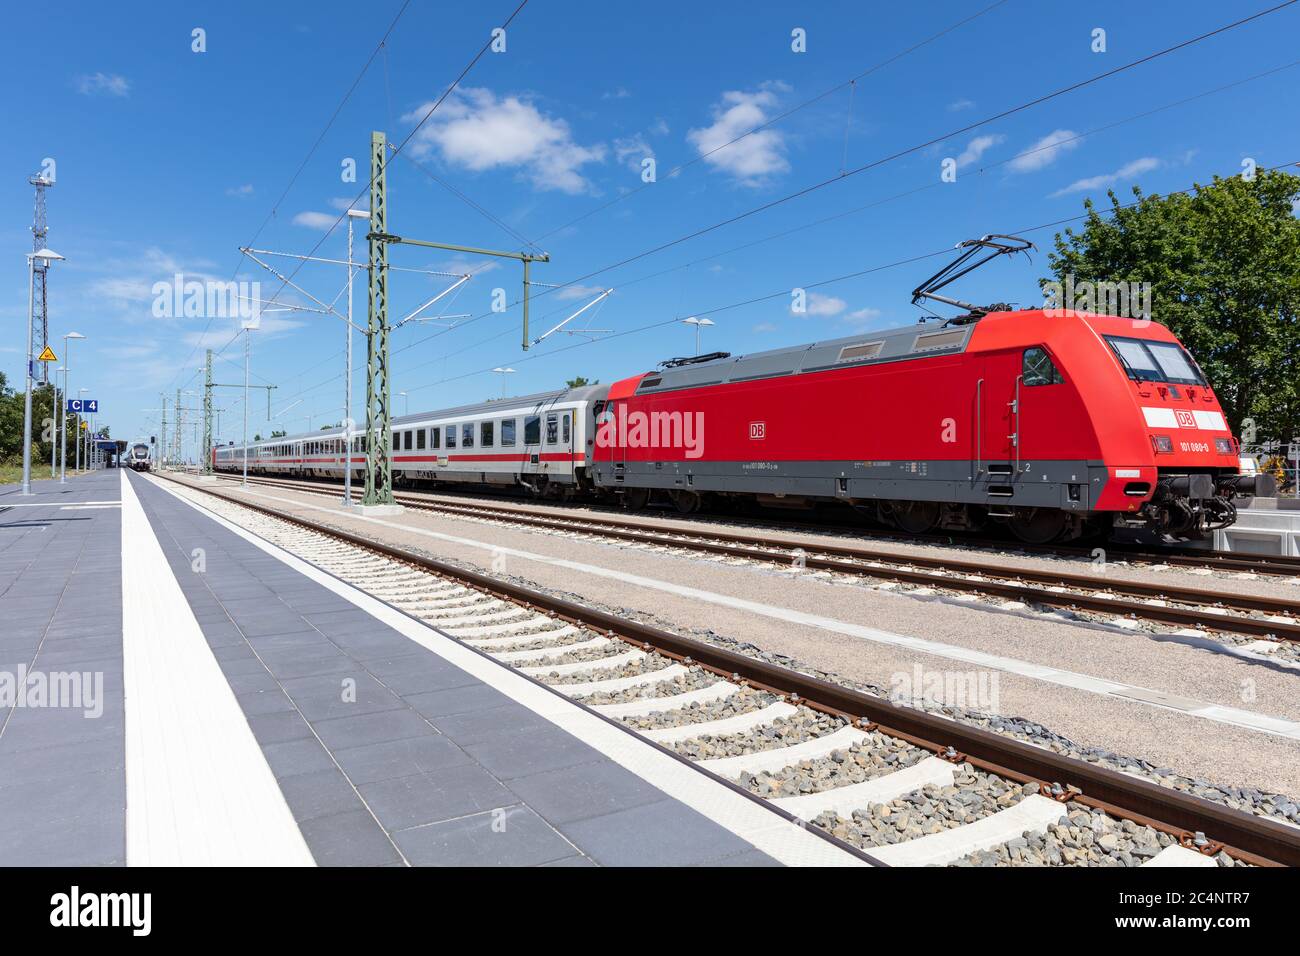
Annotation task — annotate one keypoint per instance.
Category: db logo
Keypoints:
(758, 429)
(1185, 418)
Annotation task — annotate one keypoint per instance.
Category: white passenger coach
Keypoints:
(542, 441)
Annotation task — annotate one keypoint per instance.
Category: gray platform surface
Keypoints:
(427, 765)
(62, 773)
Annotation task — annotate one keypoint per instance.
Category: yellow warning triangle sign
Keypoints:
(47, 355)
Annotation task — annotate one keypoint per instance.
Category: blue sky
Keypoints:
(169, 160)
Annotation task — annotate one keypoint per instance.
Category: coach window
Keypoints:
(485, 435)
(532, 430)
(419, 440)
(566, 428)
(552, 428)
(508, 433)
(435, 438)
(1037, 368)
(451, 436)
(467, 435)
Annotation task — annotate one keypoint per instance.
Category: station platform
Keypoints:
(238, 706)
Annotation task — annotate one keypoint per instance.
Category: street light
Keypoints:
(406, 403)
(46, 256)
(63, 418)
(503, 372)
(54, 416)
(699, 324)
(353, 215)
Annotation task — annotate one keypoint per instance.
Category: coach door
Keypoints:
(532, 463)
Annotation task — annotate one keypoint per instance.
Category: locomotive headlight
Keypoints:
(1223, 446)
(1162, 444)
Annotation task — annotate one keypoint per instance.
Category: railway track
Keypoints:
(1256, 616)
(905, 786)
(1270, 565)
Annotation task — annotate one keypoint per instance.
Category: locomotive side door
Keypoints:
(998, 443)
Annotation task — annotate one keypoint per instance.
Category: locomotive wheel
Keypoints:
(686, 502)
(634, 499)
(916, 517)
(1038, 525)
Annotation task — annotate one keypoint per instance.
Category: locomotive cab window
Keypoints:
(1037, 368)
(1146, 360)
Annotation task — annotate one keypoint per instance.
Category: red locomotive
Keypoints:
(1053, 422)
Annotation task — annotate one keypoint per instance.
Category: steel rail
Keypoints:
(1000, 582)
(1245, 836)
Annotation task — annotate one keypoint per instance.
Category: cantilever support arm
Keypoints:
(526, 258)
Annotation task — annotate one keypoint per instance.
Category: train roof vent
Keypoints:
(854, 353)
(929, 341)
(649, 382)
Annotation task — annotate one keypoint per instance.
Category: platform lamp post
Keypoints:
(63, 417)
(46, 256)
(348, 424)
(54, 417)
(699, 324)
(503, 372)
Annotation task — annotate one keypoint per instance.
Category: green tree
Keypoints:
(1224, 264)
(579, 382)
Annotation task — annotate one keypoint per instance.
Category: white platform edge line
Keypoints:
(783, 840)
(1232, 716)
(198, 788)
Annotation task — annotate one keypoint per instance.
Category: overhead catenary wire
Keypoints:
(934, 184)
(680, 167)
(910, 150)
(310, 153)
(947, 250)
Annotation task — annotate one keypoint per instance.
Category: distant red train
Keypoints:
(1052, 424)
(1049, 422)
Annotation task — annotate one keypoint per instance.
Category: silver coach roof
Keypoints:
(537, 401)
(866, 348)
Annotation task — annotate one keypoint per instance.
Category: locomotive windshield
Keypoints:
(1148, 361)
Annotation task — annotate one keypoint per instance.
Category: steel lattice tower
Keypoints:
(40, 317)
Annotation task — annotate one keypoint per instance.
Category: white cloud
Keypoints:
(754, 159)
(977, 148)
(476, 130)
(344, 204)
(571, 292)
(240, 191)
(1127, 171)
(93, 84)
(1045, 152)
(764, 327)
(315, 220)
(960, 105)
(819, 304)
(630, 150)
(272, 326)
(619, 94)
